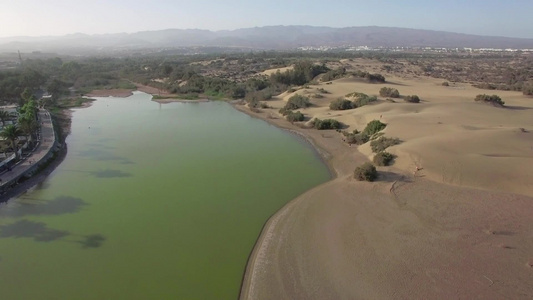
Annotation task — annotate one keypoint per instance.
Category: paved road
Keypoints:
(46, 143)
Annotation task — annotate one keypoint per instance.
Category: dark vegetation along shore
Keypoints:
(37, 156)
(373, 116)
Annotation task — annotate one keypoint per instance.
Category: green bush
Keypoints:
(334, 74)
(389, 92)
(383, 158)
(494, 99)
(365, 172)
(341, 104)
(412, 99)
(303, 72)
(373, 127)
(326, 124)
(283, 111)
(295, 116)
(356, 138)
(383, 143)
(364, 101)
(369, 77)
(445, 83)
(297, 101)
(375, 78)
(361, 99)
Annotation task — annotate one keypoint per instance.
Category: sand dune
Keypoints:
(447, 128)
(460, 228)
(271, 71)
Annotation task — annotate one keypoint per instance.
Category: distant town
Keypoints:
(413, 49)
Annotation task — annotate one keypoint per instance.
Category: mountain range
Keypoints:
(261, 38)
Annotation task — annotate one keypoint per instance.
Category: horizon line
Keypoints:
(241, 28)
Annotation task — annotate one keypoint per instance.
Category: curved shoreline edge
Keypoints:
(37, 178)
(50, 153)
(267, 231)
(461, 222)
(345, 239)
(267, 228)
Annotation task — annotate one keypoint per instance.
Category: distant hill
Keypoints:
(269, 37)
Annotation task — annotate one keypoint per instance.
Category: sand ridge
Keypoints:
(459, 228)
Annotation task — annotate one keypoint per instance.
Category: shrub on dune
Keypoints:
(326, 124)
(297, 101)
(341, 104)
(412, 99)
(365, 172)
(295, 116)
(356, 138)
(383, 158)
(373, 127)
(389, 92)
(494, 99)
(383, 143)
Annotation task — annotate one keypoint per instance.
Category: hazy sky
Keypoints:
(58, 17)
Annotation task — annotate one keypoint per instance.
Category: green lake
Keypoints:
(153, 201)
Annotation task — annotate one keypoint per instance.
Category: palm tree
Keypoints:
(29, 110)
(4, 116)
(11, 133)
(28, 126)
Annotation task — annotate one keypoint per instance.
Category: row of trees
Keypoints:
(26, 125)
(303, 72)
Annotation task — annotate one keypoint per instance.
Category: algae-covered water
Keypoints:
(152, 202)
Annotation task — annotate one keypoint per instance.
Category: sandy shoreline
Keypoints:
(163, 96)
(403, 237)
(121, 93)
(459, 229)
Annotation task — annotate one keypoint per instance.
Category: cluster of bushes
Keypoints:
(334, 74)
(361, 99)
(360, 138)
(326, 124)
(518, 86)
(295, 116)
(365, 172)
(494, 99)
(295, 102)
(383, 158)
(364, 100)
(302, 73)
(372, 78)
(383, 143)
(412, 99)
(259, 95)
(298, 101)
(356, 138)
(389, 92)
(341, 104)
(373, 127)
